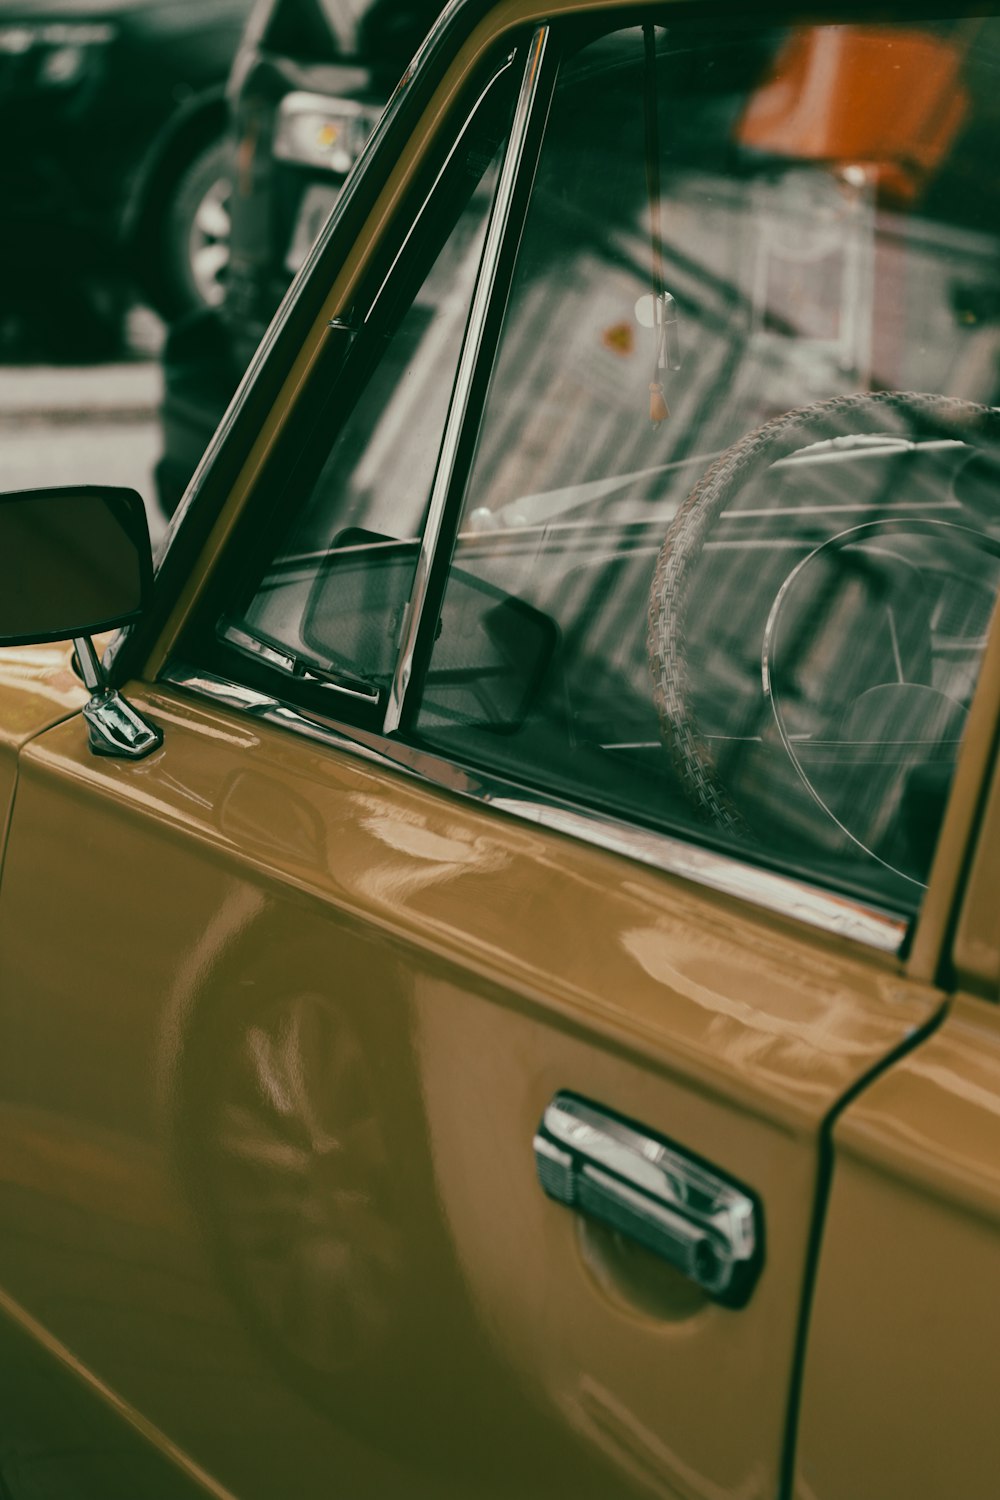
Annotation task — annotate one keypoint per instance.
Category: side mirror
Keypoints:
(73, 562)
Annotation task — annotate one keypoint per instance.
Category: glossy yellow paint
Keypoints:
(976, 952)
(977, 947)
(904, 1344)
(450, 970)
(37, 688)
(272, 1051)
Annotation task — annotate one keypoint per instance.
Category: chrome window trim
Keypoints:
(467, 367)
(371, 302)
(841, 916)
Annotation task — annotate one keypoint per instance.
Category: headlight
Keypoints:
(57, 52)
(316, 131)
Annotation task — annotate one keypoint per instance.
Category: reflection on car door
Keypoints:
(280, 1023)
(272, 1095)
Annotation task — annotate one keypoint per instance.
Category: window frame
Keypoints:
(348, 358)
(767, 882)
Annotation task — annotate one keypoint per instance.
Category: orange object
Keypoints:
(885, 97)
(619, 339)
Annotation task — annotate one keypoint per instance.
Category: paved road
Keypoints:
(92, 424)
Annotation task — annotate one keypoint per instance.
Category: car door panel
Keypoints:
(902, 1362)
(901, 1359)
(272, 958)
(37, 688)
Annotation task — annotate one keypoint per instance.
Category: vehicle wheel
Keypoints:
(805, 693)
(195, 235)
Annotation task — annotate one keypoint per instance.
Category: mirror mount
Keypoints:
(114, 727)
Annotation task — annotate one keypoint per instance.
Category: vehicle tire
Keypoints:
(194, 245)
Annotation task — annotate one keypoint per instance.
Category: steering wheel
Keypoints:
(878, 693)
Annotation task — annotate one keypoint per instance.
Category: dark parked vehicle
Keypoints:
(118, 108)
(308, 85)
(309, 82)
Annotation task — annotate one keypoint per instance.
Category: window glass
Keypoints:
(326, 601)
(731, 539)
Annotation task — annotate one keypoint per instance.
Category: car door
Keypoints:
(904, 1282)
(417, 1075)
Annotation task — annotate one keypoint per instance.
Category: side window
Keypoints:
(324, 600)
(730, 542)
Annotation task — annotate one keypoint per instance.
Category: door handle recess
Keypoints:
(640, 1184)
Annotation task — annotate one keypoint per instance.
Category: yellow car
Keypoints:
(499, 958)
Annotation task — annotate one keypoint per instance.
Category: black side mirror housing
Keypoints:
(73, 561)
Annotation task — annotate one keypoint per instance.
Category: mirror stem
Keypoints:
(113, 725)
(91, 669)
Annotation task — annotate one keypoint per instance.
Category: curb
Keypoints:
(66, 393)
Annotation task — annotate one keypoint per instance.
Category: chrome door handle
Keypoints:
(646, 1188)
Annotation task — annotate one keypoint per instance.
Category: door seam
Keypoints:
(824, 1181)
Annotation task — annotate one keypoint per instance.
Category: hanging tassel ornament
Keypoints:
(667, 354)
